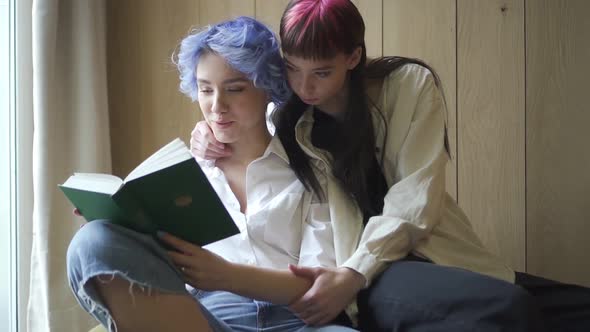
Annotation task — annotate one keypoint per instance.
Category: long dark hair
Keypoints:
(321, 29)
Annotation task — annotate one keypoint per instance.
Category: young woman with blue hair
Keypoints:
(129, 282)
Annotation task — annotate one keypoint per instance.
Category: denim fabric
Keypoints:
(414, 295)
(104, 250)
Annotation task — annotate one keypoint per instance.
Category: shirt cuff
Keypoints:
(366, 264)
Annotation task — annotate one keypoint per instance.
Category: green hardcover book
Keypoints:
(167, 192)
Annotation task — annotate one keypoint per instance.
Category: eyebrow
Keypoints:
(318, 68)
(228, 81)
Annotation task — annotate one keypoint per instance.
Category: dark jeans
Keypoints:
(565, 307)
(413, 295)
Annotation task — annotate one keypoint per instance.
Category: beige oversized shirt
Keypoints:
(418, 215)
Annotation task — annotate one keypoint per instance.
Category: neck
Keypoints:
(247, 148)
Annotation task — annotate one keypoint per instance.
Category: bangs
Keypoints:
(310, 39)
(317, 30)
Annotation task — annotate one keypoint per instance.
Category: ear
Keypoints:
(354, 58)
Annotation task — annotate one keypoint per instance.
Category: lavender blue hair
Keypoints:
(247, 45)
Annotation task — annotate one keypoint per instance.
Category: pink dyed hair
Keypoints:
(319, 29)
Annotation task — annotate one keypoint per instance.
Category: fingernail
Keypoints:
(160, 234)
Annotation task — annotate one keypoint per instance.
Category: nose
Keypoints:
(219, 104)
(306, 85)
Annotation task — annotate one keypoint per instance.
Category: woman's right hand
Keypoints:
(204, 145)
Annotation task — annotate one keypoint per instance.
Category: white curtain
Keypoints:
(71, 133)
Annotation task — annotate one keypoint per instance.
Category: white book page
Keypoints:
(95, 182)
(171, 154)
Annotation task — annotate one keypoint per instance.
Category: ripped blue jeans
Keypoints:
(104, 250)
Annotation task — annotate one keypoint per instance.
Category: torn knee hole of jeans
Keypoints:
(106, 278)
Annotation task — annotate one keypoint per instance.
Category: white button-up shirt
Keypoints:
(418, 215)
(283, 224)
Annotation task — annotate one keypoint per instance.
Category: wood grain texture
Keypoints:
(146, 109)
(425, 29)
(478, 49)
(372, 10)
(491, 123)
(558, 156)
(270, 11)
(213, 11)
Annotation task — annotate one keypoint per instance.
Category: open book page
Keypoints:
(171, 154)
(95, 182)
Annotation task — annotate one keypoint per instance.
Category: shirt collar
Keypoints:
(303, 130)
(275, 146)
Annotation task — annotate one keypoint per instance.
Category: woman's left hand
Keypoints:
(201, 268)
(332, 290)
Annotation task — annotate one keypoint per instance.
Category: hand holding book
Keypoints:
(167, 192)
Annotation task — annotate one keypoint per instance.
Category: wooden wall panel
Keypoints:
(372, 12)
(558, 152)
(146, 109)
(425, 29)
(491, 127)
(213, 11)
(270, 12)
(478, 49)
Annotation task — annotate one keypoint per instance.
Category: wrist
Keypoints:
(356, 279)
(232, 277)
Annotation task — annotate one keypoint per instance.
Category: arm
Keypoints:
(413, 205)
(276, 286)
(415, 163)
(205, 270)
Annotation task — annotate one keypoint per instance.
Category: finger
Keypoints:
(212, 142)
(201, 150)
(225, 152)
(182, 246)
(181, 260)
(201, 129)
(215, 155)
(315, 319)
(327, 319)
(207, 134)
(208, 148)
(302, 271)
(307, 313)
(300, 306)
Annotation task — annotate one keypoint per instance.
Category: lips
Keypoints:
(223, 124)
(310, 100)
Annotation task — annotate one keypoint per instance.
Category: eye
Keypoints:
(323, 74)
(205, 90)
(291, 69)
(235, 89)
